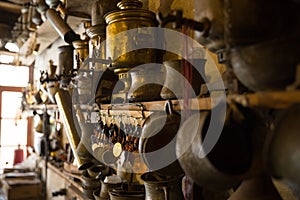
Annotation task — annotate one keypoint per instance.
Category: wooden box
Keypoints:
(22, 189)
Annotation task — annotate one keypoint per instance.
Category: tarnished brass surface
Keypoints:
(258, 188)
(258, 38)
(283, 158)
(213, 11)
(268, 65)
(162, 188)
(146, 85)
(236, 155)
(81, 52)
(64, 104)
(97, 46)
(175, 82)
(130, 16)
(157, 144)
(65, 60)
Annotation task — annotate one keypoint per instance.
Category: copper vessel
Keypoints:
(65, 64)
(64, 102)
(175, 81)
(236, 155)
(128, 43)
(146, 83)
(258, 188)
(283, 148)
(161, 188)
(269, 65)
(81, 53)
(97, 46)
(234, 21)
(118, 194)
(158, 140)
(130, 16)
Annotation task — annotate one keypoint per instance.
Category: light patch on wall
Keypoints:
(6, 59)
(12, 47)
(17, 76)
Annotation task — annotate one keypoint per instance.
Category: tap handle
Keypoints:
(176, 17)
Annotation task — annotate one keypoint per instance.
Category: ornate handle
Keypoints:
(177, 18)
(166, 192)
(168, 107)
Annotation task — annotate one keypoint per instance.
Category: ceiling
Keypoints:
(9, 14)
(11, 27)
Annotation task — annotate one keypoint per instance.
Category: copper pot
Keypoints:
(105, 187)
(235, 21)
(174, 85)
(89, 184)
(258, 188)
(283, 148)
(269, 65)
(146, 84)
(236, 154)
(157, 142)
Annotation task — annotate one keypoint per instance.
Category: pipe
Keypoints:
(9, 7)
(62, 28)
(64, 103)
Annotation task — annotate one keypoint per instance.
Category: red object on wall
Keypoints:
(18, 156)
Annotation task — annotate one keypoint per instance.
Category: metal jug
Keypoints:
(175, 81)
(65, 64)
(160, 188)
(146, 83)
(119, 194)
(157, 142)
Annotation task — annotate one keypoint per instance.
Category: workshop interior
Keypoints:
(149, 100)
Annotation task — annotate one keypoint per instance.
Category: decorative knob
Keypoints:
(130, 4)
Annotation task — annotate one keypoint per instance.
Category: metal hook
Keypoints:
(108, 111)
(142, 109)
(168, 107)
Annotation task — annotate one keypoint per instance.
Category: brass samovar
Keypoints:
(125, 38)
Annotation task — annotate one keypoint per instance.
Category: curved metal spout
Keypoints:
(63, 29)
(84, 147)
(64, 103)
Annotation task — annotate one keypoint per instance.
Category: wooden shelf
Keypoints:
(43, 107)
(275, 100)
(272, 100)
(65, 176)
(260, 99)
